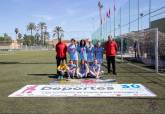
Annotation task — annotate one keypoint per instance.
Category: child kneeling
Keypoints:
(62, 70)
(94, 70)
(71, 71)
(83, 70)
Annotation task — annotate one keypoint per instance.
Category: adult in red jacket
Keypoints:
(111, 51)
(61, 50)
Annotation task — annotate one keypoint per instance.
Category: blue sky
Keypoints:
(79, 18)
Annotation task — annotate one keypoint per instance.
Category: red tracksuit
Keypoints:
(111, 48)
(111, 51)
(61, 50)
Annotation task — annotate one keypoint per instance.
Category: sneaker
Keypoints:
(59, 77)
(62, 77)
(115, 73)
(69, 77)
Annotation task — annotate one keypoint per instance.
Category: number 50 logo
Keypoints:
(130, 86)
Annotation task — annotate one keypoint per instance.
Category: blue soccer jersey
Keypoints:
(99, 54)
(83, 53)
(72, 50)
(95, 67)
(72, 66)
(90, 54)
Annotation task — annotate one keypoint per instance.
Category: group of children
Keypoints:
(91, 59)
(83, 71)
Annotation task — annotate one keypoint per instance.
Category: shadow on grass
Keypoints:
(45, 75)
(26, 63)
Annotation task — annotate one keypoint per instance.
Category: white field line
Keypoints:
(146, 69)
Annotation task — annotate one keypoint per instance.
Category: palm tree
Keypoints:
(37, 36)
(30, 27)
(42, 26)
(47, 36)
(16, 32)
(19, 38)
(58, 31)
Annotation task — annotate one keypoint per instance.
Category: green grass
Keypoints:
(18, 69)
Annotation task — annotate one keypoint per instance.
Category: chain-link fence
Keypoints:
(131, 26)
(145, 46)
(134, 15)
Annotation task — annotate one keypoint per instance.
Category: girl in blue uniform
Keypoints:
(90, 53)
(83, 70)
(99, 53)
(72, 50)
(94, 70)
(82, 50)
(71, 69)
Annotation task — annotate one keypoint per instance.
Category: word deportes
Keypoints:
(88, 88)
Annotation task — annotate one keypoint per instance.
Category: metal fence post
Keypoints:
(156, 51)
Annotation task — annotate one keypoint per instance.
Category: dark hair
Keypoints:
(83, 64)
(73, 40)
(82, 45)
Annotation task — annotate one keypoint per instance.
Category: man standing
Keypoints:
(111, 51)
(61, 50)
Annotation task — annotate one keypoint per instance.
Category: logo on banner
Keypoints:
(88, 81)
(30, 89)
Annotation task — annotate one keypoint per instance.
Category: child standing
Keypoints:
(72, 50)
(90, 54)
(99, 53)
(82, 50)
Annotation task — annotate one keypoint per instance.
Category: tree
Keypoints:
(42, 27)
(19, 40)
(46, 37)
(16, 32)
(58, 31)
(37, 36)
(6, 38)
(28, 40)
(30, 27)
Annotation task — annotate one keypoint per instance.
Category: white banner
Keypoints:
(84, 90)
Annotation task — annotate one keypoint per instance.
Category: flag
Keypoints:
(109, 13)
(100, 5)
(114, 7)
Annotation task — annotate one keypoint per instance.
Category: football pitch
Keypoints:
(21, 68)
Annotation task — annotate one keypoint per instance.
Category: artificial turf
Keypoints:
(21, 68)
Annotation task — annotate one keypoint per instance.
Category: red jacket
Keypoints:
(111, 48)
(61, 49)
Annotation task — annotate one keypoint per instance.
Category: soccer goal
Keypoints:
(145, 46)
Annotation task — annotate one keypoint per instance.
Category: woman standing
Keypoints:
(72, 50)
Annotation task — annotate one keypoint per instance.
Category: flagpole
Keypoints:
(138, 15)
(129, 16)
(149, 13)
(100, 13)
(110, 26)
(110, 20)
(106, 27)
(114, 20)
(121, 38)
